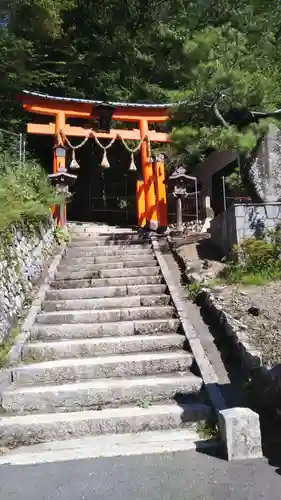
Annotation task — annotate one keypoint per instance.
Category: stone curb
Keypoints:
(14, 354)
(207, 371)
(234, 423)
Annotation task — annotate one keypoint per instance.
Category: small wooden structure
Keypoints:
(150, 185)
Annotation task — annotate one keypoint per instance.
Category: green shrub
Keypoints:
(194, 290)
(255, 261)
(25, 192)
(61, 236)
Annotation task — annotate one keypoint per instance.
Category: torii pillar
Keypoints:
(148, 179)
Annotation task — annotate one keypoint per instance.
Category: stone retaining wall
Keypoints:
(21, 266)
(242, 221)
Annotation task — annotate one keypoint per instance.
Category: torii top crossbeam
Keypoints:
(67, 107)
(151, 191)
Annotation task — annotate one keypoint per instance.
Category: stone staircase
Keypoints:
(106, 354)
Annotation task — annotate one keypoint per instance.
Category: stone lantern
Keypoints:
(62, 180)
(179, 179)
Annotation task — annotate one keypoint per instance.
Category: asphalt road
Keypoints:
(175, 476)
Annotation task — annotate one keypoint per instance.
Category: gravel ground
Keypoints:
(264, 329)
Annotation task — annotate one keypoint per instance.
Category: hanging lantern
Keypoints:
(74, 165)
(105, 112)
(133, 167)
(105, 163)
(60, 151)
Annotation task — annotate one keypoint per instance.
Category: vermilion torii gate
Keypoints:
(150, 186)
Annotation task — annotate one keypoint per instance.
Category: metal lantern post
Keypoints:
(62, 180)
(180, 178)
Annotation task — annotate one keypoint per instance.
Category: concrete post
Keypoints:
(179, 213)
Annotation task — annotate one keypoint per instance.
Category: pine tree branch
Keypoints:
(219, 115)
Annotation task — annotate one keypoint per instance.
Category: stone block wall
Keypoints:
(21, 263)
(243, 221)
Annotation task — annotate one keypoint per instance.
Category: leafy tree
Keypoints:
(232, 66)
(217, 56)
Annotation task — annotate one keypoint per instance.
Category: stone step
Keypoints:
(106, 303)
(99, 228)
(118, 243)
(109, 273)
(117, 263)
(119, 235)
(105, 235)
(102, 392)
(120, 365)
(113, 445)
(99, 292)
(39, 428)
(108, 282)
(103, 315)
(101, 251)
(96, 330)
(105, 259)
(82, 348)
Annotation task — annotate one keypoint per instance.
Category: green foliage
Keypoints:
(194, 289)
(25, 193)
(7, 345)
(208, 429)
(144, 403)
(231, 58)
(255, 261)
(234, 181)
(61, 236)
(149, 50)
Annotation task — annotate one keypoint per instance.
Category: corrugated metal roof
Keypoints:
(97, 103)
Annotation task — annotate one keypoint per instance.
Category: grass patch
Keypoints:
(7, 345)
(208, 430)
(251, 279)
(143, 403)
(194, 289)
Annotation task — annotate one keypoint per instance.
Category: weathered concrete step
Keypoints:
(117, 263)
(110, 291)
(66, 349)
(122, 238)
(119, 235)
(120, 365)
(106, 303)
(109, 273)
(105, 259)
(99, 228)
(113, 445)
(101, 251)
(119, 243)
(94, 393)
(95, 330)
(31, 429)
(108, 282)
(92, 316)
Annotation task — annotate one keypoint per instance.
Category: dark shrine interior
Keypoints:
(98, 195)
